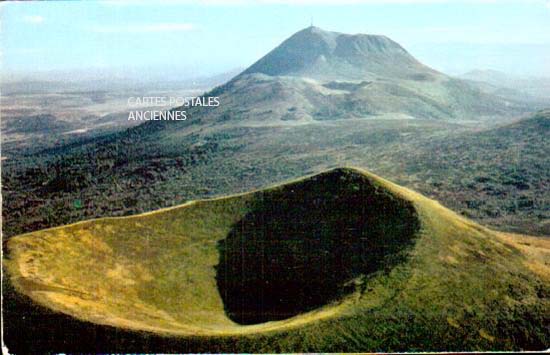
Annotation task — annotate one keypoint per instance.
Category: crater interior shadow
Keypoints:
(301, 244)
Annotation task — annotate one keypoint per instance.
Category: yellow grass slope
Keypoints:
(172, 271)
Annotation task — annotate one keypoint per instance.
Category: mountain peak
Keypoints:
(314, 52)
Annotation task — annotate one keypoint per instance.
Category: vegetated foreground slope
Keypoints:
(371, 105)
(340, 261)
(498, 176)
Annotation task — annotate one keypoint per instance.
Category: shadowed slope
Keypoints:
(299, 247)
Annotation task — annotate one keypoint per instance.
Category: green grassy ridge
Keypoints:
(443, 297)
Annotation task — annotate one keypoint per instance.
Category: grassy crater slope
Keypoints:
(340, 261)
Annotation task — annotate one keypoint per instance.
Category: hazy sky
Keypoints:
(207, 37)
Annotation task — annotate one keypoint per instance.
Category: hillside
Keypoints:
(340, 261)
(271, 128)
(324, 55)
(318, 75)
(480, 173)
(501, 84)
(322, 75)
(499, 175)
